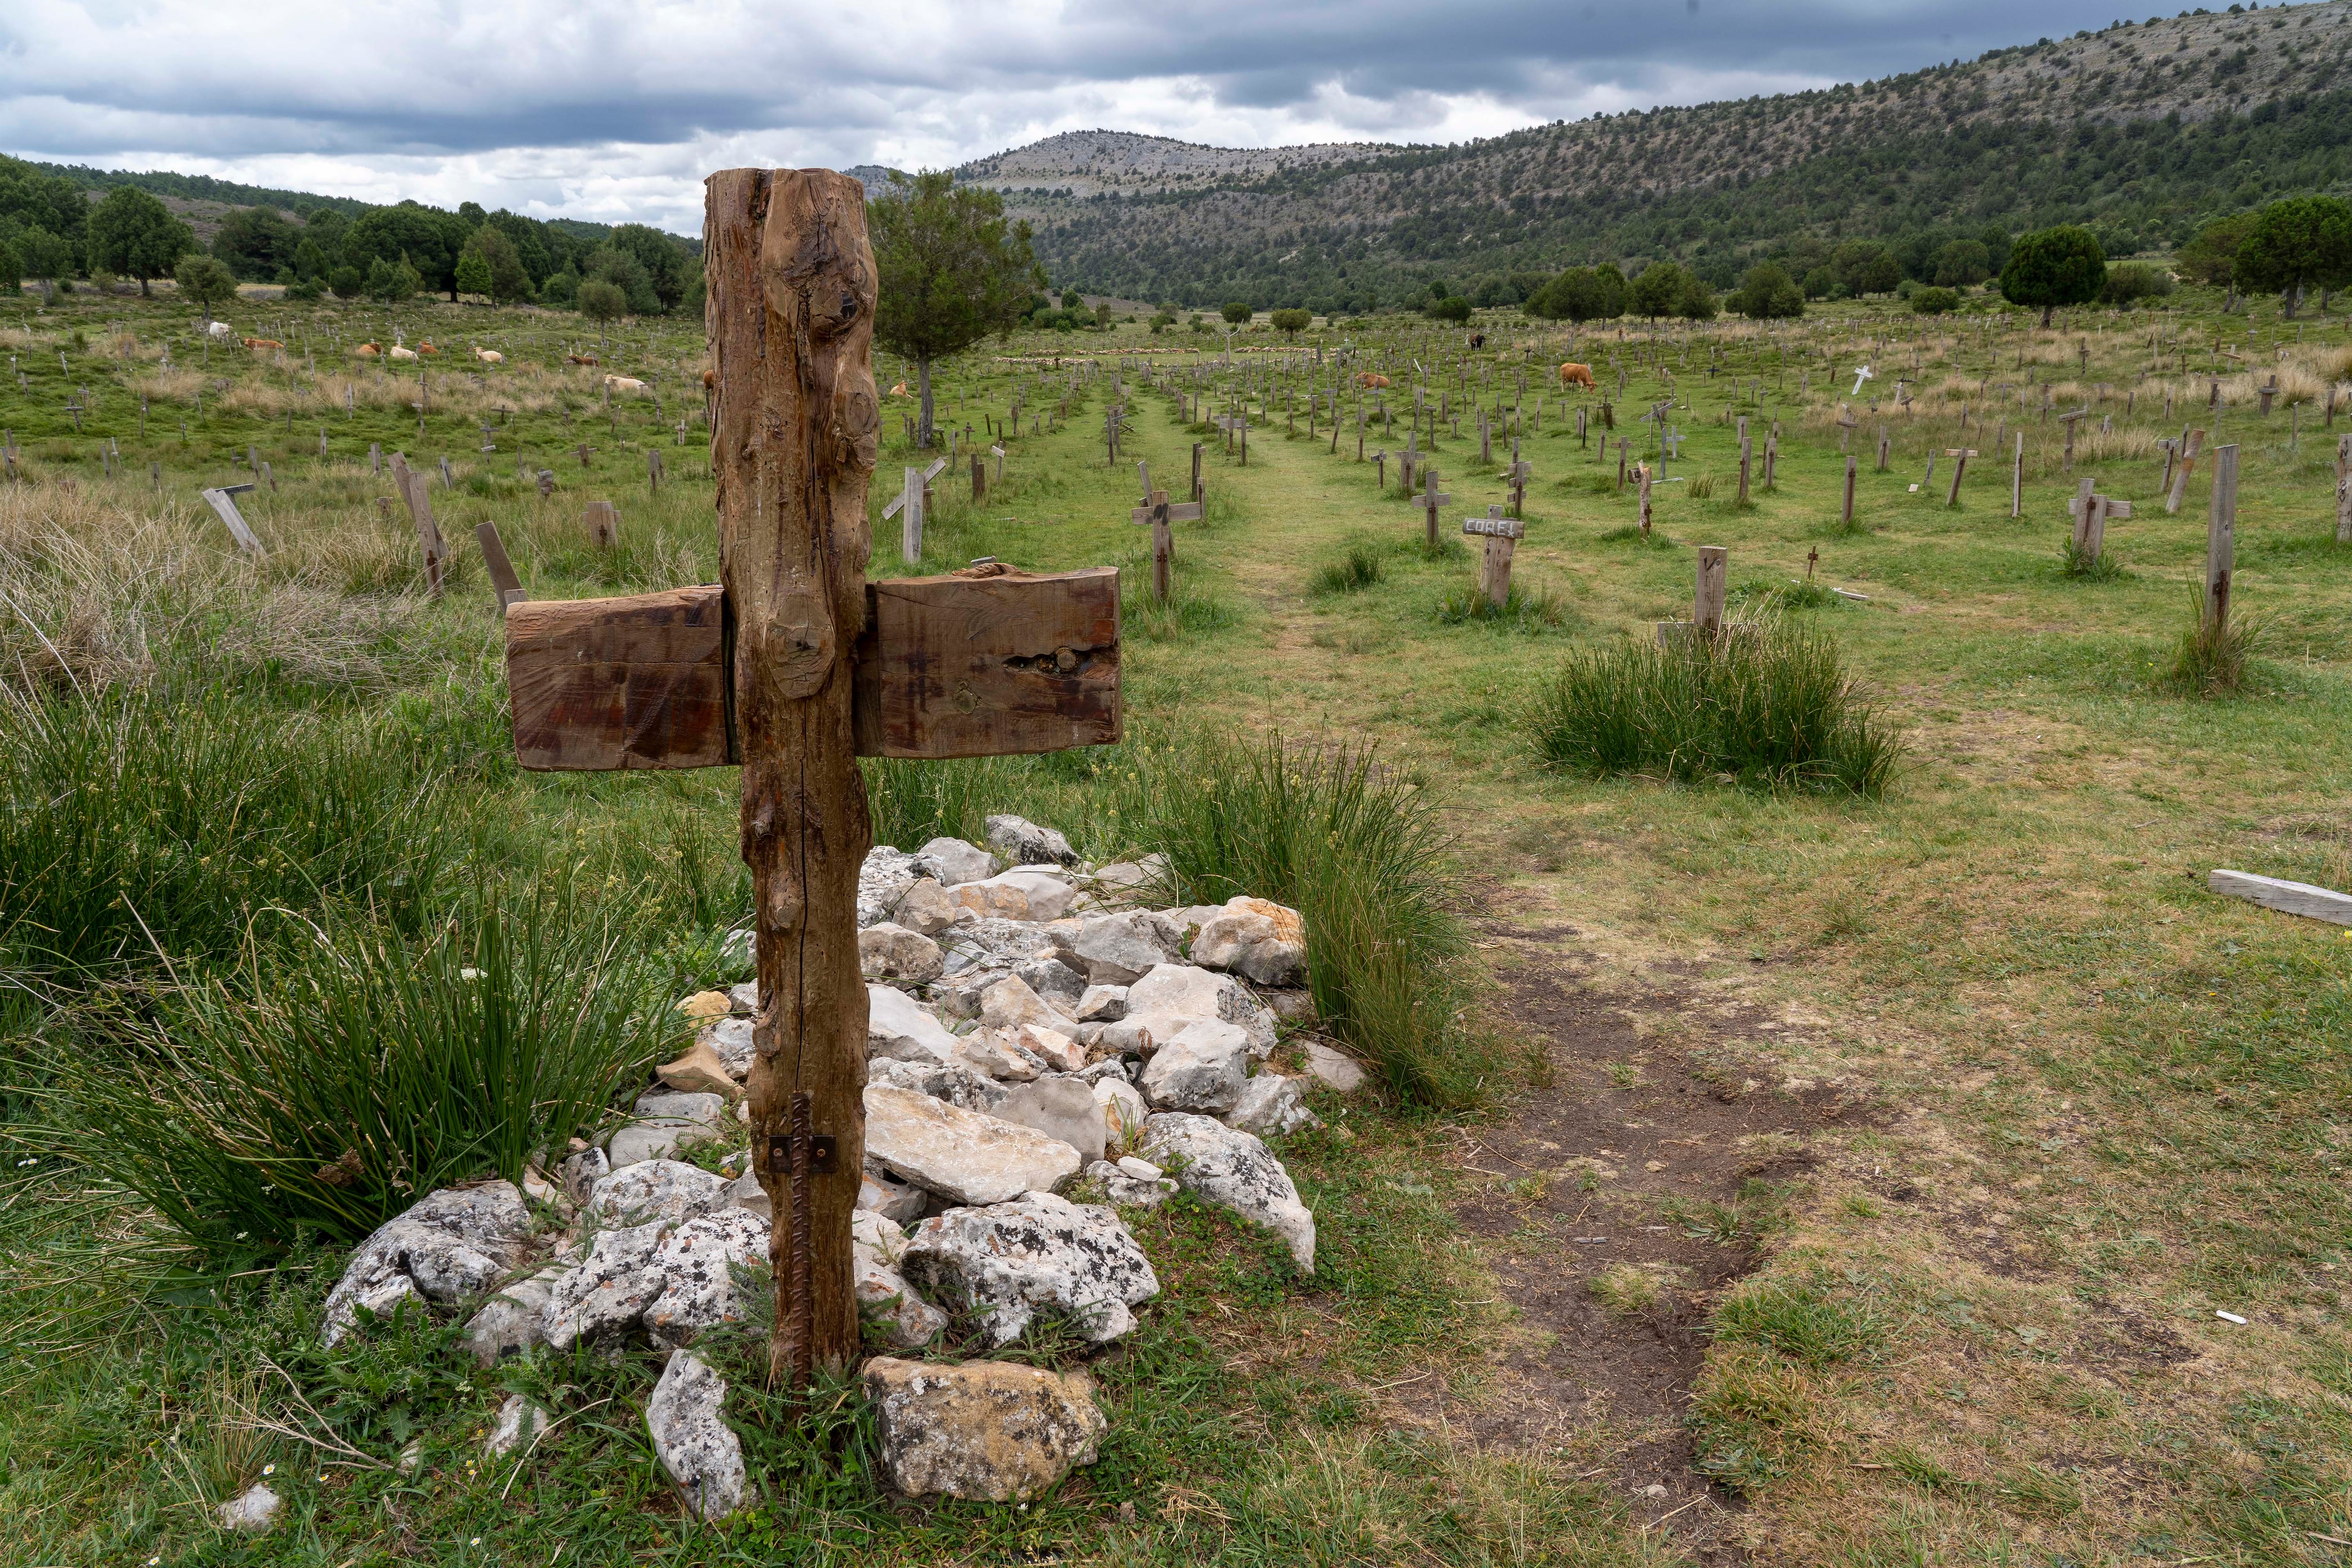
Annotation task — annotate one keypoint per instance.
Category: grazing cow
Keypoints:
(1366, 378)
(490, 356)
(1477, 340)
(261, 342)
(1576, 375)
(580, 359)
(399, 352)
(624, 384)
(371, 350)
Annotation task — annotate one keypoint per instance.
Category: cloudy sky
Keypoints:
(601, 110)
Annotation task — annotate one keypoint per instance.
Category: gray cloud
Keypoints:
(610, 109)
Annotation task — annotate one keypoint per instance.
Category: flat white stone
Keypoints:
(1008, 1263)
(966, 1156)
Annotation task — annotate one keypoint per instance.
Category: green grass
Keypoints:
(1361, 565)
(1768, 703)
(1524, 608)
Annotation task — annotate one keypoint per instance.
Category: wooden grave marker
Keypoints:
(2092, 512)
(794, 666)
(2344, 490)
(1502, 534)
(1432, 498)
(503, 581)
(1959, 456)
(603, 525)
(2221, 541)
(220, 499)
(2191, 440)
(411, 485)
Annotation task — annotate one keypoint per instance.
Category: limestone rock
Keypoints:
(1189, 918)
(514, 1320)
(1120, 949)
(1129, 1191)
(954, 862)
(994, 1431)
(1016, 896)
(1142, 1170)
(1255, 937)
(694, 1262)
(684, 1418)
(898, 1025)
(1059, 1106)
(746, 1194)
(1039, 1255)
(704, 1005)
(884, 1297)
(578, 1172)
(731, 1039)
(520, 1421)
(1202, 1067)
(1101, 1005)
(890, 1197)
(1123, 1111)
(656, 1190)
(656, 1139)
(745, 997)
(702, 1070)
(992, 945)
(455, 1243)
(1174, 994)
(1341, 1072)
(1010, 1002)
(995, 1054)
(1057, 1050)
(710, 1110)
(603, 1299)
(1054, 981)
(1024, 842)
(1294, 1005)
(251, 1512)
(887, 951)
(957, 1083)
(966, 1156)
(882, 880)
(1123, 879)
(1234, 1171)
(925, 908)
(1271, 1103)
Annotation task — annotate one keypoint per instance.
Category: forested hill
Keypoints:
(2142, 131)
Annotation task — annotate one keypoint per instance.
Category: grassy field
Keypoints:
(1916, 1139)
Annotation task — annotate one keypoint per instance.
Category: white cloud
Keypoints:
(610, 109)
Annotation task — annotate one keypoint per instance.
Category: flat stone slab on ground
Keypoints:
(994, 1431)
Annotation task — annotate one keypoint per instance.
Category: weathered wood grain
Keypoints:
(635, 682)
(2288, 898)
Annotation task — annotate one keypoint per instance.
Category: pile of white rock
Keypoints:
(1031, 1028)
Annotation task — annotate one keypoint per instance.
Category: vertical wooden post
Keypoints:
(2221, 538)
(420, 512)
(1197, 492)
(2017, 479)
(1846, 512)
(793, 437)
(1642, 476)
(1163, 548)
(1746, 453)
(1707, 604)
(910, 515)
(603, 525)
(2343, 488)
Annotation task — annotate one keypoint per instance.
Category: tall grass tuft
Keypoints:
(332, 1087)
(1359, 851)
(1523, 609)
(1360, 567)
(2076, 560)
(2211, 659)
(1769, 703)
(133, 824)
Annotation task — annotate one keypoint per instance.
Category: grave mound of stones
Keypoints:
(1035, 1027)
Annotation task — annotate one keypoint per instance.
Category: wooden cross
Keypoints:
(1960, 456)
(583, 449)
(603, 525)
(2190, 441)
(1432, 498)
(2092, 514)
(913, 499)
(1519, 472)
(2069, 420)
(1501, 534)
(793, 667)
(1846, 426)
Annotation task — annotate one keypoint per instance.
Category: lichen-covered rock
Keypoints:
(514, 1320)
(1256, 937)
(925, 908)
(898, 1025)
(1056, 982)
(884, 1298)
(965, 1156)
(1016, 896)
(1271, 1103)
(687, 1422)
(1061, 1106)
(1024, 842)
(520, 1421)
(993, 1431)
(1120, 949)
(953, 862)
(1175, 994)
(1040, 1255)
(887, 951)
(1128, 1190)
(957, 1083)
(1233, 1169)
(455, 1243)
(603, 1298)
(1202, 1067)
(882, 880)
(696, 1261)
(982, 949)
(655, 1189)
(730, 1037)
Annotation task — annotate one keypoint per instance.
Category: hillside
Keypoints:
(2142, 128)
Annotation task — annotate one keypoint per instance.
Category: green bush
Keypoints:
(2128, 282)
(1934, 301)
(1769, 704)
(1452, 307)
(2212, 660)
(330, 1090)
(1293, 321)
(1237, 312)
(138, 823)
(1523, 609)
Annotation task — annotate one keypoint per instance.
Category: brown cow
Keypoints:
(371, 350)
(426, 347)
(580, 359)
(710, 381)
(1366, 378)
(1576, 375)
(261, 342)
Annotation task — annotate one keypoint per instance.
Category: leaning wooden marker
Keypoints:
(794, 666)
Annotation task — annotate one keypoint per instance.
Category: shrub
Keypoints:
(1359, 850)
(2074, 560)
(2211, 659)
(1236, 311)
(1934, 301)
(1360, 567)
(1766, 292)
(1769, 704)
(2054, 267)
(136, 822)
(601, 301)
(346, 283)
(330, 1092)
(1292, 321)
(2129, 282)
(1452, 307)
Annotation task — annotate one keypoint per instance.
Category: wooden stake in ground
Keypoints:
(411, 486)
(1707, 601)
(2344, 490)
(1959, 456)
(220, 500)
(1432, 498)
(503, 581)
(2017, 479)
(1845, 513)
(2221, 541)
(1501, 534)
(1746, 454)
(1641, 477)
(2191, 440)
